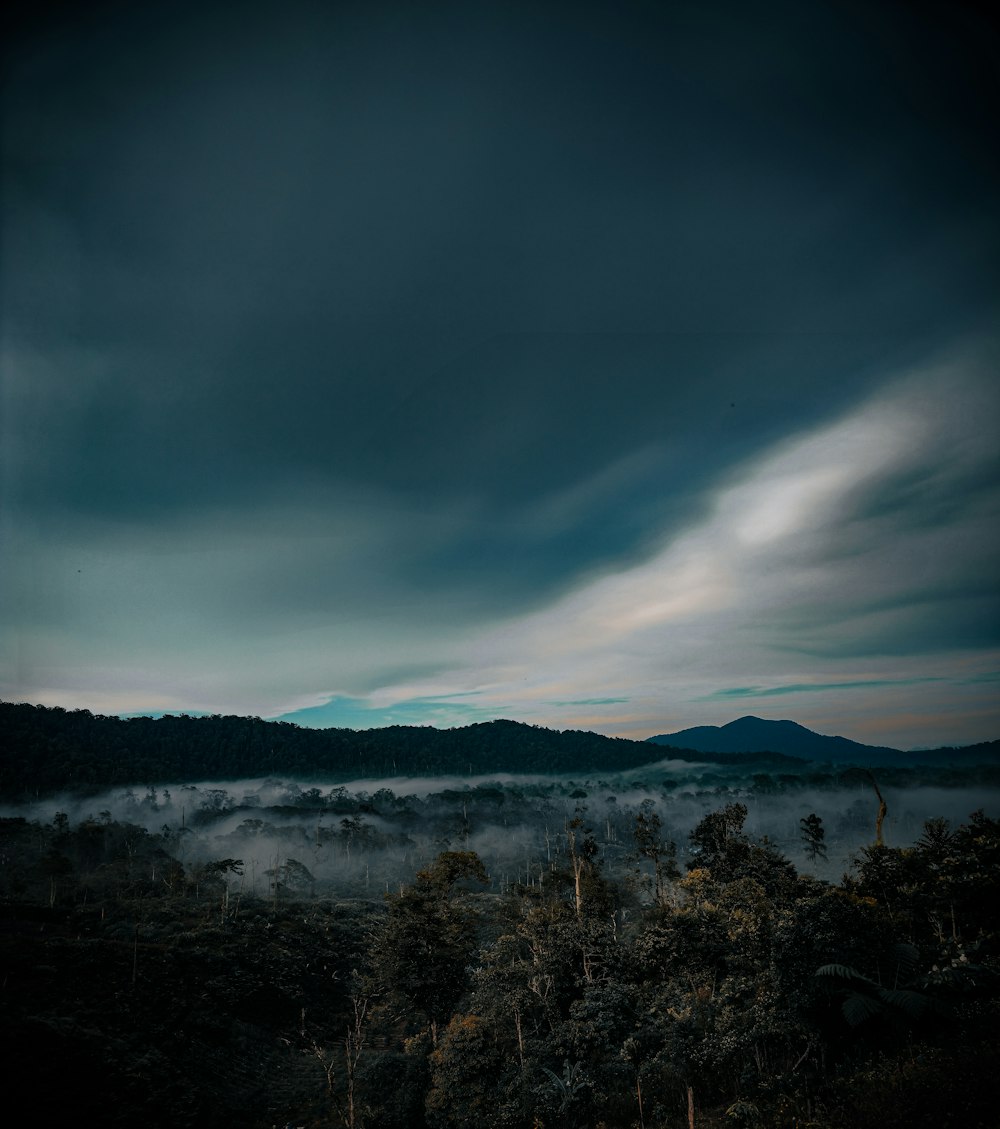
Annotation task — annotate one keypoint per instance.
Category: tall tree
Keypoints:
(813, 834)
(651, 846)
(422, 952)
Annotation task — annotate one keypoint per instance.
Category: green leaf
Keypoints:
(845, 973)
(857, 1009)
(912, 1004)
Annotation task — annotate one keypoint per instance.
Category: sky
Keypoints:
(617, 367)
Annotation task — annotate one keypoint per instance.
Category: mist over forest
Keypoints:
(363, 837)
(360, 836)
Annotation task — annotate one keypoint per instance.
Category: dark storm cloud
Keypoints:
(923, 624)
(935, 494)
(362, 243)
(315, 313)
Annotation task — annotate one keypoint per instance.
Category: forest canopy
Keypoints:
(707, 944)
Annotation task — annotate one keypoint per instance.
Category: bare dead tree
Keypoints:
(352, 1047)
(883, 810)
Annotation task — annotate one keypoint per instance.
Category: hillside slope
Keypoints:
(755, 735)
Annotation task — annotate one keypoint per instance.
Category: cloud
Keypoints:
(487, 351)
(316, 605)
(591, 702)
(812, 688)
(786, 576)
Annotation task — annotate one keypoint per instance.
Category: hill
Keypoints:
(47, 749)
(755, 735)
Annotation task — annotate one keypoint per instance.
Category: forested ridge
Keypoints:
(47, 749)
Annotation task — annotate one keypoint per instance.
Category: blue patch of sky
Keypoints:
(357, 713)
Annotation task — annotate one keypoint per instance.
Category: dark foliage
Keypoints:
(49, 749)
(616, 971)
(140, 990)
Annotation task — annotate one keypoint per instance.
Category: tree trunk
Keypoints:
(882, 812)
(577, 888)
(520, 1038)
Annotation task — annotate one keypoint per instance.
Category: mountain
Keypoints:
(47, 749)
(754, 735)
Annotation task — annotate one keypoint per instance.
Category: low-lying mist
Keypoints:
(367, 836)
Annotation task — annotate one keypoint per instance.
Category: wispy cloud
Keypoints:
(789, 551)
(811, 687)
(591, 702)
(789, 567)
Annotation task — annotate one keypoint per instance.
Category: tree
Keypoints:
(582, 849)
(883, 811)
(55, 866)
(291, 876)
(723, 851)
(813, 833)
(713, 837)
(352, 1045)
(650, 845)
(422, 951)
(471, 1079)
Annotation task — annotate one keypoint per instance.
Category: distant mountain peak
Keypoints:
(750, 720)
(751, 734)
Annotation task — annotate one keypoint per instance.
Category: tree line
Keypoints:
(47, 749)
